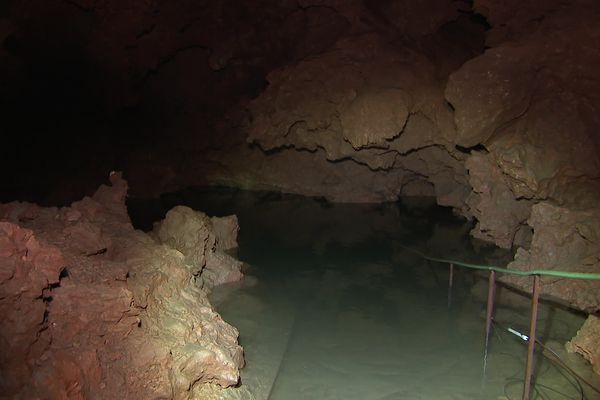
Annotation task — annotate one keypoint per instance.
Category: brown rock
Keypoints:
(362, 122)
(131, 321)
(226, 230)
(374, 117)
(489, 92)
(192, 233)
(28, 268)
(586, 342)
(563, 240)
(188, 231)
(499, 214)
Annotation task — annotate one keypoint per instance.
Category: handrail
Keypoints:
(540, 272)
(537, 274)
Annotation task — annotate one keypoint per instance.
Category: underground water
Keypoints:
(333, 306)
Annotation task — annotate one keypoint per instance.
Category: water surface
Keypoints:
(334, 307)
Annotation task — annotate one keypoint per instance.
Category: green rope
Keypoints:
(541, 272)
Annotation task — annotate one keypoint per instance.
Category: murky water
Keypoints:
(334, 307)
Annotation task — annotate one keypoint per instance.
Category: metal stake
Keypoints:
(531, 340)
(490, 306)
(488, 322)
(450, 279)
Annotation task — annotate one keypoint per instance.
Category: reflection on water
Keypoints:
(333, 307)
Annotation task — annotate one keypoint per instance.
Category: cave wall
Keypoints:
(531, 100)
(509, 138)
(490, 106)
(108, 78)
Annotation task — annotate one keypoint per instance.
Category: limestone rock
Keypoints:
(522, 99)
(188, 231)
(192, 233)
(28, 269)
(220, 268)
(586, 342)
(226, 231)
(489, 92)
(127, 318)
(362, 103)
(499, 214)
(372, 118)
(564, 240)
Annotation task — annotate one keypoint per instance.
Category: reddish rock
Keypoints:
(128, 317)
(28, 269)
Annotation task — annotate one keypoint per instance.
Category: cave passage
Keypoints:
(331, 307)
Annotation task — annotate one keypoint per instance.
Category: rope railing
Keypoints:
(536, 274)
(540, 272)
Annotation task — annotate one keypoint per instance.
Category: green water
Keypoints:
(332, 307)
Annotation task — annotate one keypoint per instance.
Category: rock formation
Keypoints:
(379, 117)
(586, 342)
(94, 309)
(202, 240)
(490, 106)
(368, 121)
(532, 101)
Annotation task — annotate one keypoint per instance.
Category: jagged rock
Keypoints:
(499, 214)
(586, 342)
(362, 103)
(28, 269)
(357, 106)
(374, 117)
(564, 240)
(489, 92)
(521, 100)
(220, 268)
(192, 233)
(532, 101)
(188, 231)
(128, 317)
(225, 230)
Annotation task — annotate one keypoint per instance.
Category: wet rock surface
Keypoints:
(586, 342)
(128, 317)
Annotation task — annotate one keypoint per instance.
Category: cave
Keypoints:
(302, 199)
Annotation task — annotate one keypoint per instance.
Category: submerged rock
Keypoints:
(128, 317)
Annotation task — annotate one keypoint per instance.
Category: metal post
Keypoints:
(450, 282)
(531, 340)
(488, 323)
(490, 306)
